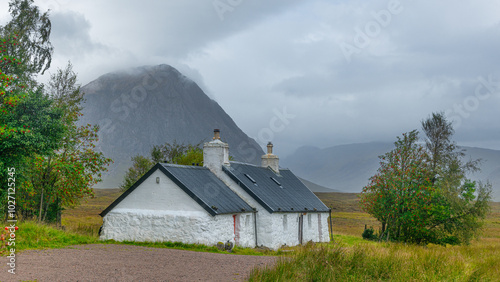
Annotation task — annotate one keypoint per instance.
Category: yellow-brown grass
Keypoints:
(85, 218)
(351, 258)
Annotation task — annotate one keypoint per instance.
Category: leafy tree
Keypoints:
(140, 165)
(192, 156)
(442, 151)
(66, 175)
(401, 192)
(463, 203)
(174, 153)
(32, 28)
(29, 124)
(177, 153)
(421, 194)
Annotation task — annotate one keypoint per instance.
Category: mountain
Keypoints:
(348, 167)
(317, 188)
(151, 105)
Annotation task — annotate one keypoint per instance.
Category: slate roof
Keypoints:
(200, 184)
(282, 192)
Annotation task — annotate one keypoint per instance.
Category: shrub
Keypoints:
(369, 234)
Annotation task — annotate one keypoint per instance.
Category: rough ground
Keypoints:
(100, 262)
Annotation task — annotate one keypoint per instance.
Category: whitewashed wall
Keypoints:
(265, 230)
(158, 226)
(316, 227)
(164, 212)
(270, 230)
(286, 228)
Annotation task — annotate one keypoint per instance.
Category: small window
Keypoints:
(309, 221)
(276, 181)
(285, 227)
(250, 178)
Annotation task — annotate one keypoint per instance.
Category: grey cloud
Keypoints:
(267, 55)
(71, 34)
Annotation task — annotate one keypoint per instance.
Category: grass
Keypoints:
(81, 226)
(386, 261)
(85, 219)
(348, 258)
(33, 235)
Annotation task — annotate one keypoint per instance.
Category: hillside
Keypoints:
(348, 167)
(151, 105)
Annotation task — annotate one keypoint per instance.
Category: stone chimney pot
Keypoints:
(215, 153)
(270, 160)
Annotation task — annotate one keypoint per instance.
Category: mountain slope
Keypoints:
(349, 167)
(151, 105)
(345, 168)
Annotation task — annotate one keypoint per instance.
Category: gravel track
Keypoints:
(112, 262)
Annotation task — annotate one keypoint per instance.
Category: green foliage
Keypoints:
(140, 165)
(421, 194)
(369, 234)
(400, 194)
(176, 153)
(60, 179)
(32, 27)
(192, 155)
(29, 124)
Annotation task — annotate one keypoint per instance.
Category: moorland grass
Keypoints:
(348, 258)
(34, 235)
(386, 261)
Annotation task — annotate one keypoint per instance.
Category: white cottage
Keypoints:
(221, 201)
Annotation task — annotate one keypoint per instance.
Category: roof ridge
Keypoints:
(258, 166)
(183, 166)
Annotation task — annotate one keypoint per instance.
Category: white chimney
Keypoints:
(270, 160)
(215, 153)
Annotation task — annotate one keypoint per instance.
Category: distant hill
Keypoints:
(151, 105)
(348, 167)
(317, 188)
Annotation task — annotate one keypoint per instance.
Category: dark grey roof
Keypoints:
(282, 192)
(200, 184)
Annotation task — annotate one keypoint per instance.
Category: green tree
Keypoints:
(400, 194)
(421, 194)
(32, 28)
(463, 203)
(140, 165)
(176, 153)
(60, 179)
(29, 125)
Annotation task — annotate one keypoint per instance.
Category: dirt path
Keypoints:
(99, 262)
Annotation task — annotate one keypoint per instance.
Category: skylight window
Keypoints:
(276, 181)
(250, 178)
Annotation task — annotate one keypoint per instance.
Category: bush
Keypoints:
(369, 234)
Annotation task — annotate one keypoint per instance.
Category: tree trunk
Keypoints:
(58, 219)
(46, 208)
(41, 207)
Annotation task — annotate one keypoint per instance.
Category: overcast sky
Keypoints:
(317, 72)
